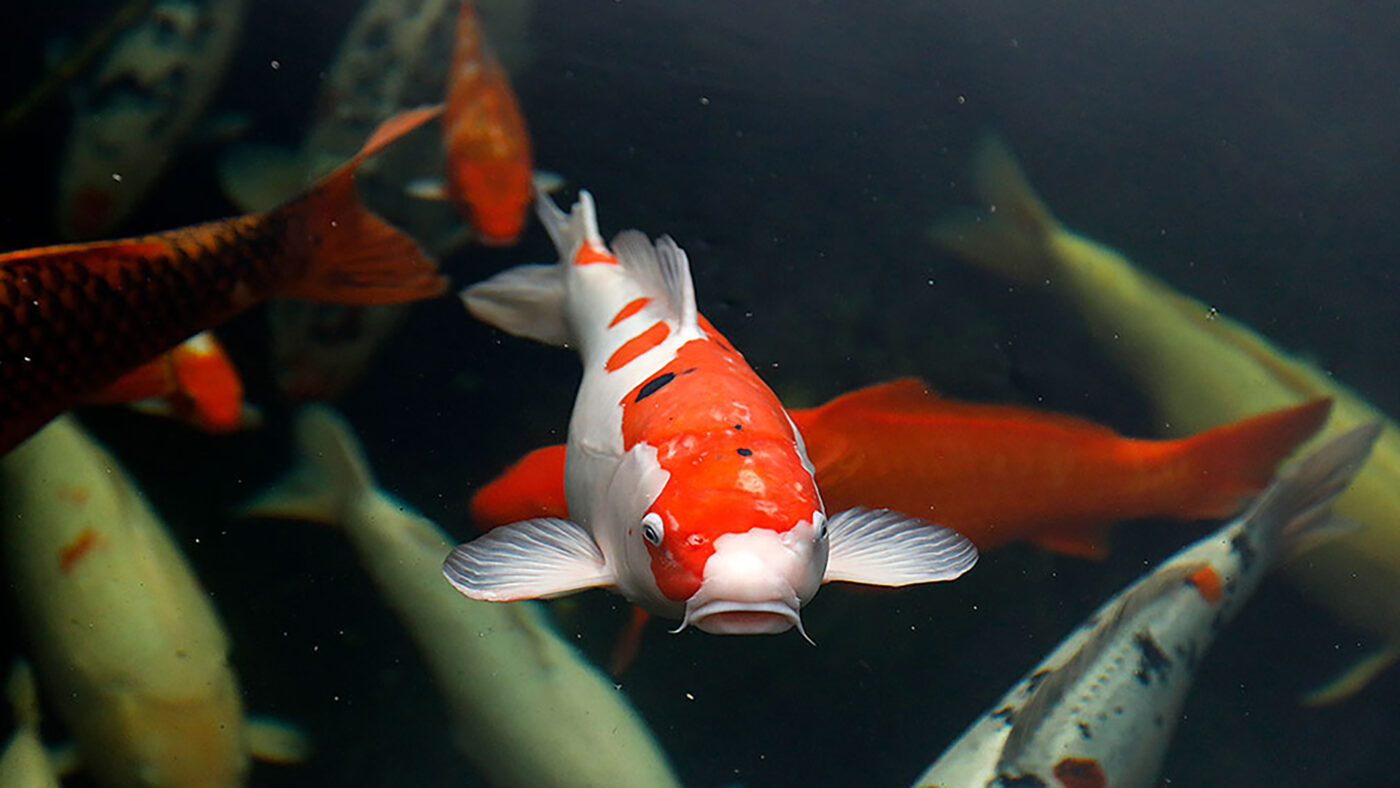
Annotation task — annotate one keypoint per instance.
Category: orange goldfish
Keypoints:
(996, 473)
(75, 318)
(195, 382)
(488, 148)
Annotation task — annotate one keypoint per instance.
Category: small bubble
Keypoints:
(704, 101)
(962, 99)
(275, 64)
(117, 176)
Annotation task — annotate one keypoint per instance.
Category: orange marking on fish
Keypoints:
(1207, 582)
(1080, 773)
(638, 345)
(588, 254)
(77, 550)
(74, 495)
(633, 307)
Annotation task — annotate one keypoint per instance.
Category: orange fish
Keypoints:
(488, 148)
(75, 318)
(195, 382)
(996, 473)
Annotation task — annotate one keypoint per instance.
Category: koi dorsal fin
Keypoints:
(569, 231)
(663, 270)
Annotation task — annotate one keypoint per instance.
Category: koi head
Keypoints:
(737, 536)
(495, 195)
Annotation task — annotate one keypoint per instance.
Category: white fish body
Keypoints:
(1101, 708)
(125, 642)
(24, 763)
(515, 688)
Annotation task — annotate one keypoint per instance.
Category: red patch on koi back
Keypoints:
(636, 346)
(1080, 773)
(74, 495)
(633, 307)
(78, 549)
(587, 254)
(1207, 583)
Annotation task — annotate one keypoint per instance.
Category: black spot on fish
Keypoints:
(738, 426)
(1005, 714)
(1084, 730)
(1240, 545)
(1021, 781)
(745, 452)
(1035, 678)
(1117, 709)
(689, 370)
(654, 385)
(1153, 659)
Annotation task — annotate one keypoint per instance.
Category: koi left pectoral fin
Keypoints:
(532, 559)
(888, 548)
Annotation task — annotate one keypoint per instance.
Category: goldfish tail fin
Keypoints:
(357, 257)
(1236, 460)
(1007, 234)
(331, 474)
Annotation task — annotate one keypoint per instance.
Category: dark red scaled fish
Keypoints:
(75, 318)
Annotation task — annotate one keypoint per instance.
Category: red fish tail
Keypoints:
(354, 256)
(1224, 466)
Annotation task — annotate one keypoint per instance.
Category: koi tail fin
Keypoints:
(1231, 462)
(1009, 233)
(356, 257)
(330, 478)
(532, 487)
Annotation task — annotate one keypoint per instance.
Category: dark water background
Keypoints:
(1245, 152)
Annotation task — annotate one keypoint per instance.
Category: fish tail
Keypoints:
(23, 695)
(329, 478)
(1229, 463)
(1008, 234)
(356, 257)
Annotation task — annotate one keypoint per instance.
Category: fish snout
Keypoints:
(726, 617)
(754, 584)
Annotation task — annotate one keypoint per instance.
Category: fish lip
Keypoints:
(729, 617)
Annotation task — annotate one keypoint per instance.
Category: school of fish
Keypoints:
(684, 485)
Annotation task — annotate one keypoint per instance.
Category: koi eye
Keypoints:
(819, 521)
(652, 528)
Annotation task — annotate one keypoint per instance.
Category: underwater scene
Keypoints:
(652, 393)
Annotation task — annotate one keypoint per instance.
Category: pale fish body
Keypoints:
(141, 103)
(1200, 369)
(24, 763)
(529, 709)
(691, 490)
(1100, 710)
(126, 644)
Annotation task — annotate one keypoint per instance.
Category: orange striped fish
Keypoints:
(75, 318)
(998, 474)
(488, 148)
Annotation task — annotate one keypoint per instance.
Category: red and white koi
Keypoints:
(690, 489)
(1100, 710)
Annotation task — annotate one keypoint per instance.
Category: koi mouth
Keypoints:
(723, 617)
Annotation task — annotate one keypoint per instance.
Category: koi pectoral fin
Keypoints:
(888, 548)
(532, 559)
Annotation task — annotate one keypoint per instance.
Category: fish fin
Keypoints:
(356, 257)
(887, 548)
(1091, 543)
(1294, 508)
(628, 643)
(532, 559)
(1333, 527)
(533, 486)
(1007, 235)
(569, 231)
(1234, 461)
(331, 472)
(527, 301)
(1109, 622)
(276, 741)
(1354, 677)
(430, 188)
(548, 182)
(663, 269)
(261, 177)
(23, 694)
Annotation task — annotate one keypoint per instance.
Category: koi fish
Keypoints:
(195, 383)
(514, 686)
(488, 149)
(124, 639)
(1099, 711)
(79, 316)
(25, 763)
(690, 489)
(140, 105)
(1198, 369)
(997, 474)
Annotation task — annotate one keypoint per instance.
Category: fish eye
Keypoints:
(652, 528)
(819, 522)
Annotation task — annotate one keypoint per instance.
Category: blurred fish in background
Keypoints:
(25, 763)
